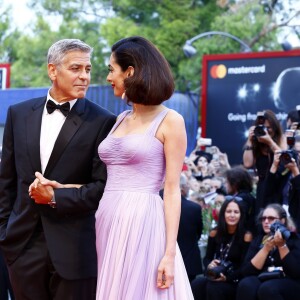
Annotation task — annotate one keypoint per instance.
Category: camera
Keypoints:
(283, 230)
(287, 155)
(225, 267)
(290, 137)
(260, 129)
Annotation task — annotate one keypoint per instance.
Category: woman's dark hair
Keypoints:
(239, 178)
(276, 127)
(152, 81)
(222, 230)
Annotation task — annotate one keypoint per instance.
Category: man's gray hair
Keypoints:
(59, 49)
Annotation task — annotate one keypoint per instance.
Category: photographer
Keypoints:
(294, 193)
(265, 137)
(271, 266)
(293, 119)
(239, 183)
(283, 168)
(285, 193)
(227, 245)
(201, 163)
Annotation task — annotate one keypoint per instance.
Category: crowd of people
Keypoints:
(250, 214)
(62, 154)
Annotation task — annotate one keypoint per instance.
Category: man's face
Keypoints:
(71, 78)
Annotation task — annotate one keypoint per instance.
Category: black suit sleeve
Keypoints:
(86, 198)
(8, 176)
(200, 223)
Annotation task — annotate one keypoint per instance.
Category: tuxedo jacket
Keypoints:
(189, 233)
(70, 228)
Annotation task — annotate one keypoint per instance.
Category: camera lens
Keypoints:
(259, 130)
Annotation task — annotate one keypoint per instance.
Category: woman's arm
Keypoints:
(259, 259)
(248, 157)
(42, 189)
(172, 132)
(211, 248)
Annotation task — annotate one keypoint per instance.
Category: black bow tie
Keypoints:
(64, 108)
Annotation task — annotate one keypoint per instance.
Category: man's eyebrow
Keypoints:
(78, 65)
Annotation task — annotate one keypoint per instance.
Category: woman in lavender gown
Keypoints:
(136, 232)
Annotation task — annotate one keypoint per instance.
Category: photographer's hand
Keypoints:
(250, 135)
(276, 161)
(269, 243)
(294, 126)
(259, 259)
(214, 263)
(266, 139)
(248, 157)
(293, 167)
(278, 239)
(281, 244)
(221, 278)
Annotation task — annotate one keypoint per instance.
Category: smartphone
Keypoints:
(204, 142)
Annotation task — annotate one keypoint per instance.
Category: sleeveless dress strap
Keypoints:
(119, 120)
(157, 121)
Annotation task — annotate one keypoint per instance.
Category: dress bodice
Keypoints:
(135, 162)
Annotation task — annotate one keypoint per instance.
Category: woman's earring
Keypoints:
(124, 95)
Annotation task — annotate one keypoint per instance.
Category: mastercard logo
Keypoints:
(218, 71)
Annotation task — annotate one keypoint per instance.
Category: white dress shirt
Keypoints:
(50, 128)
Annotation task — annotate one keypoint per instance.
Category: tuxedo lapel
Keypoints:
(70, 127)
(33, 132)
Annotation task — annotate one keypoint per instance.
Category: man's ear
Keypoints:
(52, 72)
(130, 71)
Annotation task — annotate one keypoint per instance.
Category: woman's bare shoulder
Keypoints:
(173, 118)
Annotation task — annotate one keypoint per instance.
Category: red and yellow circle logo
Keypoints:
(218, 71)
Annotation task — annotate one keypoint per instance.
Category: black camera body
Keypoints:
(260, 129)
(283, 230)
(225, 268)
(287, 155)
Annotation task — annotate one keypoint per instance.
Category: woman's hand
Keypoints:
(251, 134)
(265, 139)
(276, 161)
(165, 274)
(221, 278)
(214, 263)
(293, 167)
(269, 244)
(278, 239)
(45, 181)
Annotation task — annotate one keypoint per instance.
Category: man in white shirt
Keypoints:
(50, 245)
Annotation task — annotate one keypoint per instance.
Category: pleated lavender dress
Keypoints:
(130, 226)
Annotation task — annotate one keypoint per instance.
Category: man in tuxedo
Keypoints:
(50, 246)
(189, 232)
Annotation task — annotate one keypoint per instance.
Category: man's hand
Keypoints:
(41, 194)
(41, 190)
